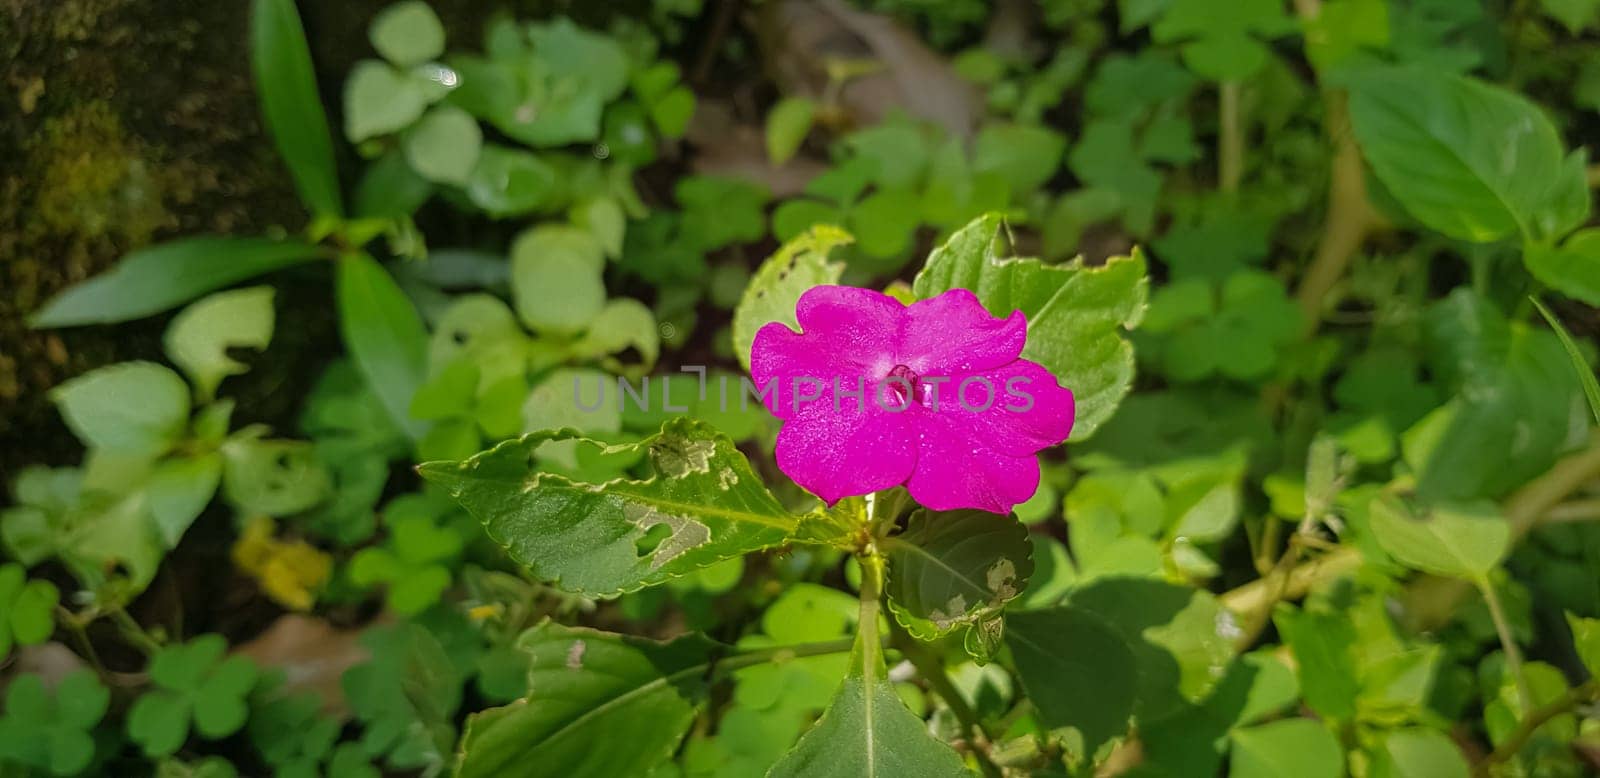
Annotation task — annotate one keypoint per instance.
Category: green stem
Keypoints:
(932, 671)
(1230, 138)
(1533, 721)
(133, 633)
(1508, 643)
(80, 635)
(870, 643)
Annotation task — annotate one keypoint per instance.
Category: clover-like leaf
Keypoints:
(52, 734)
(702, 504)
(193, 684)
(955, 569)
(413, 564)
(29, 608)
(406, 696)
(1077, 314)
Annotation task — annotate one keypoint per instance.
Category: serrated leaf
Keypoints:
(1460, 541)
(1471, 160)
(1077, 315)
(154, 279)
(771, 296)
(199, 337)
(600, 705)
(136, 408)
(701, 505)
(952, 569)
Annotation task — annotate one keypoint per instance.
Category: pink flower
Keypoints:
(934, 395)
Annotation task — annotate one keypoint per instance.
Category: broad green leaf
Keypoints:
(1026, 156)
(1303, 748)
(154, 279)
(509, 182)
(1580, 364)
(273, 477)
(1460, 541)
(955, 568)
(407, 33)
(1575, 15)
(444, 146)
(787, 125)
(1473, 161)
(1323, 646)
(390, 189)
(1586, 641)
(701, 505)
(622, 324)
(199, 337)
(1077, 314)
(1078, 671)
(1572, 269)
(1180, 639)
(576, 398)
(138, 408)
(600, 705)
(1419, 753)
(384, 335)
(556, 277)
(287, 84)
(604, 218)
(179, 489)
(771, 296)
(378, 100)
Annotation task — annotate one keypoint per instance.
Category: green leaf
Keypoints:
(1300, 747)
(601, 705)
(1473, 161)
(407, 33)
(199, 337)
(956, 568)
(379, 100)
(866, 731)
(1591, 387)
(1078, 671)
(703, 504)
(1076, 313)
(787, 125)
(287, 84)
(52, 734)
(154, 279)
(604, 218)
(1220, 42)
(510, 182)
(1420, 753)
(556, 277)
(444, 146)
(622, 324)
(1586, 640)
(384, 335)
(179, 489)
(1573, 269)
(1323, 646)
(29, 608)
(1575, 15)
(1461, 541)
(776, 287)
(1024, 155)
(138, 408)
(273, 477)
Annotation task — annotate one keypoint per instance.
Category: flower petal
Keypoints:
(847, 333)
(1013, 410)
(953, 335)
(845, 451)
(953, 471)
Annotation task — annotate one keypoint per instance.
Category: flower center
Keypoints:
(904, 385)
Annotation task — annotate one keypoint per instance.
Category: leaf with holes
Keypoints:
(199, 337)
(701, 505)
(601, 705)
(951, 569)
(771, 296)
(1077, 314)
